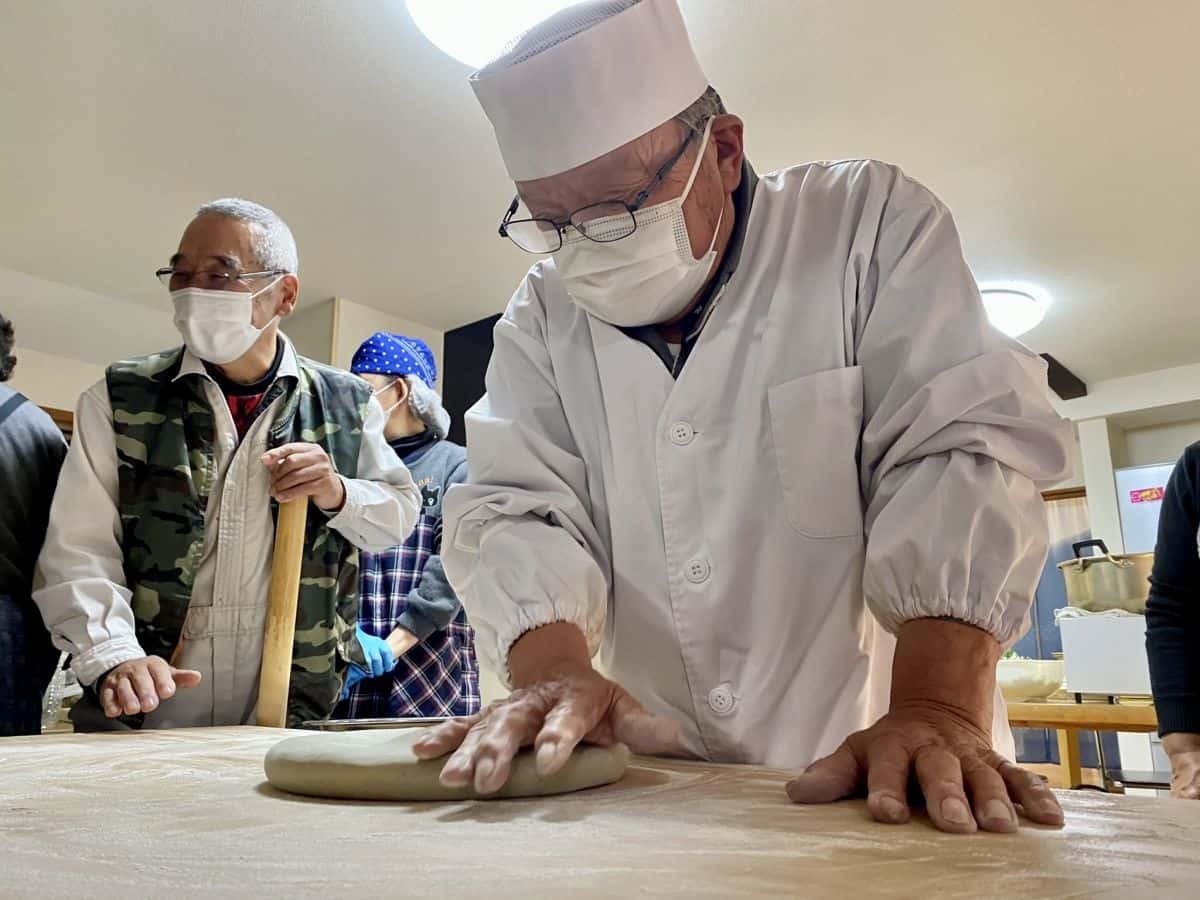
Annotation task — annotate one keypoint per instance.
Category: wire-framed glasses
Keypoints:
(604, 222)
(218, 279)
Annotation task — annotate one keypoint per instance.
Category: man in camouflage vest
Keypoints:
(156, 567)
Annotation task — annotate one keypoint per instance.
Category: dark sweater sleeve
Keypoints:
(432, 605)
(1173, 609)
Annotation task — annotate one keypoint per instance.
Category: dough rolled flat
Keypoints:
(381, 765)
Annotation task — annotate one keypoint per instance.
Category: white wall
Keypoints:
(50, 380)
(1137, 393)
(74, 323)
(356, 323)
(1099, 443)
(67, 335)
(1139, 420)
(311, 329)
(1159, 443)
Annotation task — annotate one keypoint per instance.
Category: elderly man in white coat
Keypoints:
(739, 432)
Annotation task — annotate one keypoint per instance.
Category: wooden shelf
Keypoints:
(63, 418)
(1068, 719)
(1137, 718)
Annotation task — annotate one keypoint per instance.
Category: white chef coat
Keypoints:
(850, 443)
(82, 591)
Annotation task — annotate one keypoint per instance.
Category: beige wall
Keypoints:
(356, 323)
(311, 329)
(50, 380)
(70, 322)
(1135, 421)
(1102, 448)
(1135, 394)
(1159, 443)
(67, 335)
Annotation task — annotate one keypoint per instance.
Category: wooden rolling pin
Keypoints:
(279, 635)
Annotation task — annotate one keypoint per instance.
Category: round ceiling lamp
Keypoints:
(475, 33)
(1014, 307)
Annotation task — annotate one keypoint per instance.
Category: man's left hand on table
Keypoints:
(936, 737)
(304, 470)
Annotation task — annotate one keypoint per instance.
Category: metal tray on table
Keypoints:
(363, 724)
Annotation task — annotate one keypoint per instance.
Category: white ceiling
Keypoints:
(1065, 135)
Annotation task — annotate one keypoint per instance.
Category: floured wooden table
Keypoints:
(188, 814)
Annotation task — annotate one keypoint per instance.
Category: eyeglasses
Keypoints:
(209, 280)
(603, 223)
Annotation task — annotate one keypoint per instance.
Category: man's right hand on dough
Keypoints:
(559, 701)
(140, 685)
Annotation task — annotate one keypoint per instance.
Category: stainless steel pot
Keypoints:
(1098, 583)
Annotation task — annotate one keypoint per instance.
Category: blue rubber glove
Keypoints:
(379, 655)
(379, 661)
(354, 675)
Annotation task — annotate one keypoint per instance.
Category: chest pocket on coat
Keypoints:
(816, 421)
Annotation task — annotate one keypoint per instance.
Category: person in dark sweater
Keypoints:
(31, 453)
(429, 667)
(1173, 625)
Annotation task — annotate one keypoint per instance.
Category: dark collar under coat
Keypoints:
(694, 322)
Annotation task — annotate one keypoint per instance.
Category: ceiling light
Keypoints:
(475, 33)
(1014, 307)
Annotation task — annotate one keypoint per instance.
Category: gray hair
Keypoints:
(7, 337)
(709, 106)
(270, 237)
(427, 406)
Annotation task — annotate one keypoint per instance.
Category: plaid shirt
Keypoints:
(438, 676)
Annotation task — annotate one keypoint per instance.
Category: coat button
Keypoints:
(697, 571)
(682, 434)
(721, 700)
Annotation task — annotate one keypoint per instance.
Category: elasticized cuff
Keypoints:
(1178, 714)
(91, 664)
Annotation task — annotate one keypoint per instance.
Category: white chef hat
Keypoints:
(589, 79)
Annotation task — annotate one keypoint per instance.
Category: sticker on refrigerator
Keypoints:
(1146, 495)
(1140, 499)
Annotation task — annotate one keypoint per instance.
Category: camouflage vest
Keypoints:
(164, 431)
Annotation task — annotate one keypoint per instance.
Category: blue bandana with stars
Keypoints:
(395, 354)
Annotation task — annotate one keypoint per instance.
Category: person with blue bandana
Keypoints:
(418, 642)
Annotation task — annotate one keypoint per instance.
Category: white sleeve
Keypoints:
(382, 503)
(959, 433)
(80, 582)
(519, 544)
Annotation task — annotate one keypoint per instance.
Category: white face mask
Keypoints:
(644, 279)
(383, 390)
(217, 326)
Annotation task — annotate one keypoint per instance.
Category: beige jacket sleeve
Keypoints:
(80, 585)
(382, 503)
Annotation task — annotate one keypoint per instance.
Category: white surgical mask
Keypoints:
(383, 390)
(644, 279)
(216, 325)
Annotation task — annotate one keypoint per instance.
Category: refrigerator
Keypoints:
(1139, 496)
